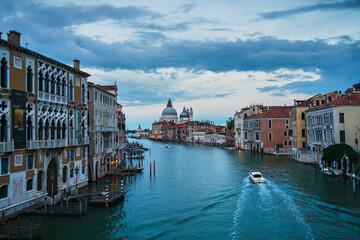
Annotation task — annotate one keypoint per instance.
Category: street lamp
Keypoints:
(76, 173)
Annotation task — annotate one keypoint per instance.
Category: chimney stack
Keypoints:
(14, 37)
(77, 64)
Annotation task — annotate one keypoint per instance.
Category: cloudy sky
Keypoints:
(216, 56)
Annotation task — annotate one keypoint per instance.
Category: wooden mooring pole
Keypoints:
(40, 230)
(31, 228)
(19, 223)
(154, 168)
(150, 170)
(3, 223)
(9, 229)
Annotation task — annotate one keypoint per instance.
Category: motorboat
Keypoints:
(331, 172)
(256, 177)
(166, 146)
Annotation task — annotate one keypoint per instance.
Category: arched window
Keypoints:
(71, 89)
(53, 85)
(40, 130)
(41, 81)
(47, 125)
(53, 128)
(29, 184)
(3, 129)
(270, 136)
(29, 79)
(63, 89)
(4, 191)
(3, 75)
(64, 131)
(58, 130)
(47, 80)
(58, 87)
(71, 130)
(29, 129)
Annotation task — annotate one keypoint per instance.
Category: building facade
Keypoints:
(268, 132)
(103, 129)
(239, 122)
(335, 122)
(43, 126)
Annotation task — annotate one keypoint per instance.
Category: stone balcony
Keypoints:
(6, 146)
(49, 97)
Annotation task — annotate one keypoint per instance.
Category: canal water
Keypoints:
(203, 192)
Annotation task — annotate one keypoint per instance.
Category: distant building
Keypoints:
(141, 134)
(268, 131)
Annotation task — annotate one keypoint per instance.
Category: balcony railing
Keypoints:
(50, 143)
(6, 146)
(108, 129)
(74, 141)
(52, 97)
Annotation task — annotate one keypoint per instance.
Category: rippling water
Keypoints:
(202, 192)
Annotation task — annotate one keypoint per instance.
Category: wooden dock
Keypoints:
(114, 197)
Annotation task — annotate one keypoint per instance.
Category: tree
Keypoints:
(337, 151)
(230, 123)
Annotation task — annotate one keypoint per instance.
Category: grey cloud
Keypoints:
(333, 6)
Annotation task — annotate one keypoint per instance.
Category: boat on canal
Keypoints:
(256, 177)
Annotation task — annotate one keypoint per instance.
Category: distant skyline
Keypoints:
(216, 56)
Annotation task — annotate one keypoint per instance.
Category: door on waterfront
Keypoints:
(51, 180)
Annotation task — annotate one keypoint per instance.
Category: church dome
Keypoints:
(184, 114)
(169, 110)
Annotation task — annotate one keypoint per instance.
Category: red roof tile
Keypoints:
(349, 99)
(283, 112)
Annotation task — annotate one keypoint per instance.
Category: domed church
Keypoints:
(169, 114)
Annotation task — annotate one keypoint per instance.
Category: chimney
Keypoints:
(14, 37)
(77, 64)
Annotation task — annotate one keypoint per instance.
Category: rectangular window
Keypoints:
(71, 173)
(83, 153)
(285, 143)
(303, 132)
(286, 123)
(317, 102)
(342, 137)
(302, 116)
(83, 170)
(290, 143)
(95, 96)
(4, 165)
(303, 144)
(72, 155)
(270, 123)
(341, 117)
(285, 133)
(270, 136)
(30, 162)
(77, 152)
(322, 101)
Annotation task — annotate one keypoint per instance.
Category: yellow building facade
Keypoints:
(43, 125)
